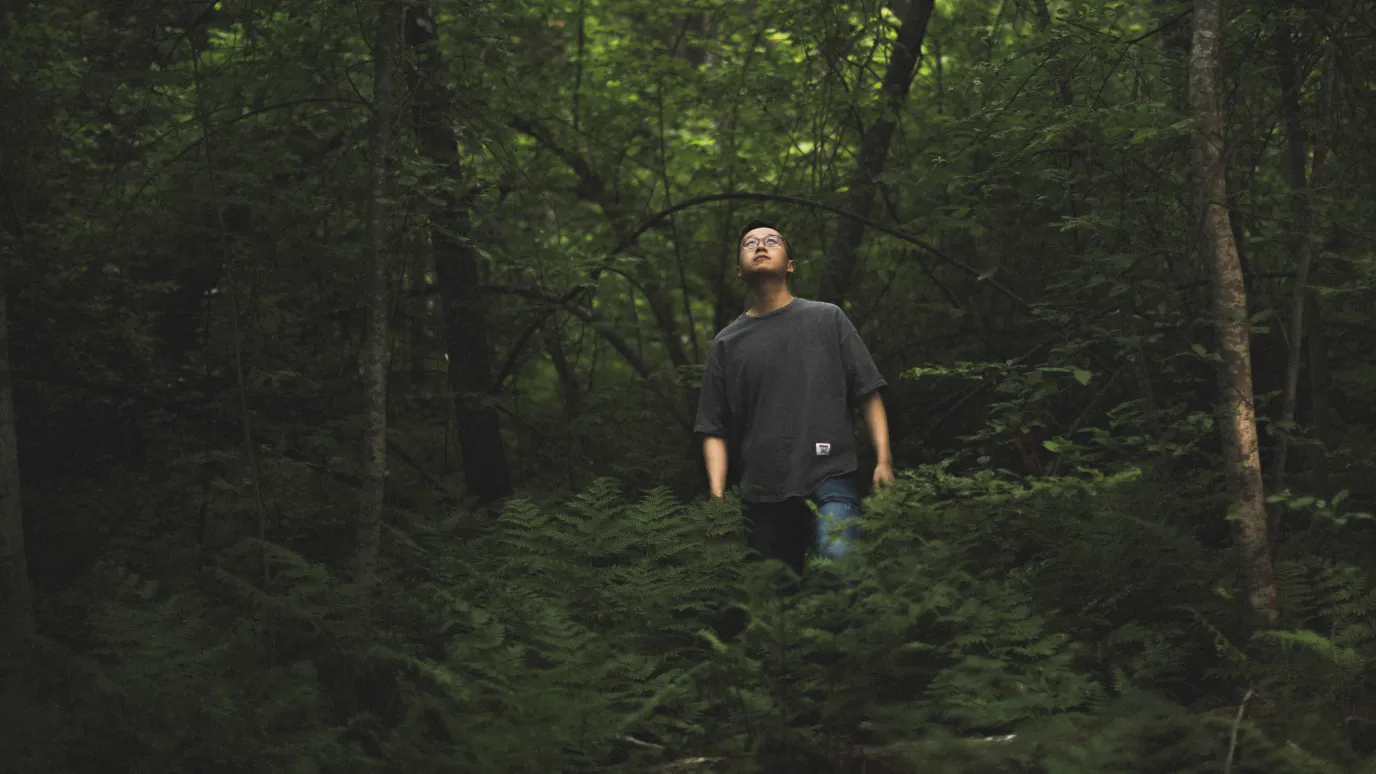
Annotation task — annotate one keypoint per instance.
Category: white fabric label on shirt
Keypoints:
(823, 449)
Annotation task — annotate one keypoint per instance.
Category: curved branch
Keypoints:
(591, 185)
(652, 220)
(588, 316)
(594, 188)
(195, 144)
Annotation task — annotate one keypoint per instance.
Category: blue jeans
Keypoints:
(788, 530)
(838, 505)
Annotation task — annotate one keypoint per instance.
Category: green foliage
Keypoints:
(991, 626)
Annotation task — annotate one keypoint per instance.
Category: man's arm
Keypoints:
(714, 452)
(714, 419)
(878, 421)
(863, 382)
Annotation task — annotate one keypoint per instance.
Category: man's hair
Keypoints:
(757, 223)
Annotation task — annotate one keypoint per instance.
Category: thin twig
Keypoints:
(1237, 723)
(642, 743)
(513, 358)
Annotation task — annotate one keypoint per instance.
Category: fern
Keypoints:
(544, 640)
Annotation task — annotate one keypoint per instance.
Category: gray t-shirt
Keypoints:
(779, 388)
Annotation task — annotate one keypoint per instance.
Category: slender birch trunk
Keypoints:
(1241, 457)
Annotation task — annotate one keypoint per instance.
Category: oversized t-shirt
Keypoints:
(779, 388)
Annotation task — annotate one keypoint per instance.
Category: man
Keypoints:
(779, 384)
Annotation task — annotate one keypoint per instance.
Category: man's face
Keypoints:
(758, 258)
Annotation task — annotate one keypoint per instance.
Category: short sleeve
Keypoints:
(714, 413)
(862, 376)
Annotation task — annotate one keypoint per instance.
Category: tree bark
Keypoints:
(375, 356)
(874, 150)
(1241, 457)
(457, 272)
(16, 593)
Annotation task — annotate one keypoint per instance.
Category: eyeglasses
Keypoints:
(772, 240)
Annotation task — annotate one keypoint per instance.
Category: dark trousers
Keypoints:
(789, 530)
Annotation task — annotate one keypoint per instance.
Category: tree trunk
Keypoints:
(456, 269)
(1241, 458)
(1302, 182)
(15, 592)
(375, 358)
(1318, 393)
(874, 150)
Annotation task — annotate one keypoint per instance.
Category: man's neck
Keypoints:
(767, 297)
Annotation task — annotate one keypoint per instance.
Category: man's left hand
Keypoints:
(883, 473)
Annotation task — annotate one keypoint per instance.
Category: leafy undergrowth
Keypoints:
(1072, 625)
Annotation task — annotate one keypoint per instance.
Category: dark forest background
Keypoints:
(349, 354)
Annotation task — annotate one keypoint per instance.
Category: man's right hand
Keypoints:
(714, 454)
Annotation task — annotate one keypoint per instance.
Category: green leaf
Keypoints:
(1082, 376)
